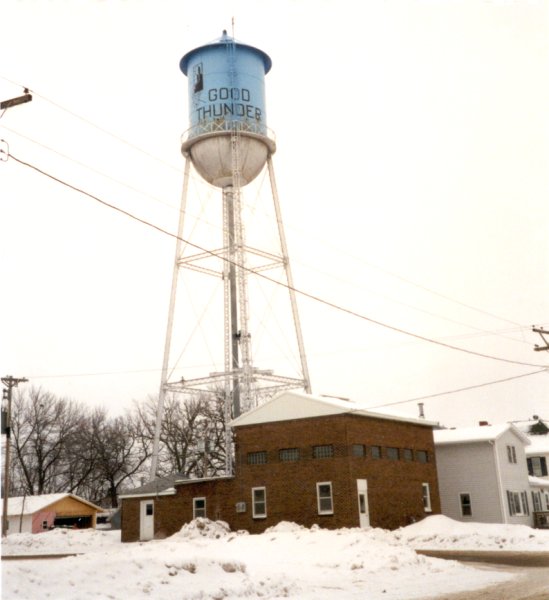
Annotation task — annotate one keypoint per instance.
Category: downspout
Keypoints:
(498, 481)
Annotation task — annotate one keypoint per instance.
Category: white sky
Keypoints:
(413, 155)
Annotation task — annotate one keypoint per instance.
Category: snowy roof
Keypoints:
(481, 433)
(539, 444)
(298, 405)
(157, 486)
(28, 505)
(538, 482)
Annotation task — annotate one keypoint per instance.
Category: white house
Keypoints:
(482, 474)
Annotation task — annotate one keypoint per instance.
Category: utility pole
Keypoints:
(9, 383)
(542, 333)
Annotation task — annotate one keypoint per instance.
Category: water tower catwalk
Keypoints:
(229, 145)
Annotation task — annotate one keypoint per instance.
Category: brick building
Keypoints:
(309, 460)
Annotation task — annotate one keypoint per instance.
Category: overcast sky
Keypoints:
(412, 167)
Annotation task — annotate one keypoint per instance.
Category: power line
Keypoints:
(387, 272)
(262, 275)
(463, 389)
(92, 124)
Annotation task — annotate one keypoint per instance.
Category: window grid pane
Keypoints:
(326, 451)
(358, 450)
(376, 451)
(324, 495)
(288, 454)
(257, 458)
(392, 453)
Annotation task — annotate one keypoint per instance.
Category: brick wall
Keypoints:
(394, 486)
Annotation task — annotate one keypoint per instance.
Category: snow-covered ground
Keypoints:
(207, 561)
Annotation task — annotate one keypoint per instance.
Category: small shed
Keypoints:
(33, 514)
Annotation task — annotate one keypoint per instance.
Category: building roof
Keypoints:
(539, 444)
(482, 433)
(538, 482)
(292, 405)
(28, 505)
(156, 487)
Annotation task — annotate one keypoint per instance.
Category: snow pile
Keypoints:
(60, 541)
(441, 533)
(206, 561)
(203, 528)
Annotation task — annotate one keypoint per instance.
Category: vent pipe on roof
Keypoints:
(421, 412)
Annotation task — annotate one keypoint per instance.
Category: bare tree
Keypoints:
(41, 425)
(120, 454)
(192, 435)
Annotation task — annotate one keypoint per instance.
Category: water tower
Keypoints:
(228, 144)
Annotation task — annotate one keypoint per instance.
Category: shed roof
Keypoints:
(483, 433)
(157, 486)
(28, 505)
(292, 405)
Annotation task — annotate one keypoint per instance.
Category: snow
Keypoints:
(483, 433)
(205, 560)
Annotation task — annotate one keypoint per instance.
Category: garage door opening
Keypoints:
(84, 522)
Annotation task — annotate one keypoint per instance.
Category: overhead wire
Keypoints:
(371, 265)
(462, 389)
(262, 275)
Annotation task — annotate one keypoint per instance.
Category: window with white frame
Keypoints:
(537, 466)
(426, 497)
(259, 503)
(199, 507)
(524, 499)
(536, 501)
(324, 498)
(518, 503)
(511, 454)
(465, 503)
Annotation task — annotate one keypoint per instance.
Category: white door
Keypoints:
(146, 520)
(363, 513)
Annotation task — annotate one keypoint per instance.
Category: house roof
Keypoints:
(539, 444)
(538, 482)
(292, 405)
(28, 505)
(484, 433)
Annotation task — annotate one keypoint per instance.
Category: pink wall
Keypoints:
(39, 517)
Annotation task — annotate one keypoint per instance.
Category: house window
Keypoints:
(199, 507)
(45, 524)
(257, 458)
(392, 453)
(426, 497)
(422, 456)
(525, 507)
(465, 502)
(376, 451)
(511, 454)
(149, 510)
(536, 501)
(324, 498)
(288, 454)
(326, 451)
(259, 502)
(518, 503)
(358, 450)
(537, 466)
(407, 454)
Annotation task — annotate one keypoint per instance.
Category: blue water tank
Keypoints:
(227, 102)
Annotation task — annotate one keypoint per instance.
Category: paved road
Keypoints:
(500, 557)
(531, 581)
